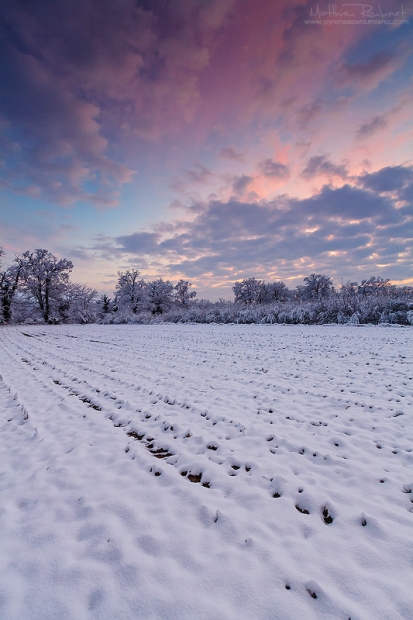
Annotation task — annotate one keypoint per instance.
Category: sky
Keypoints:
(210, 140)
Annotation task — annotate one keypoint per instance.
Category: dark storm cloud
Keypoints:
(356, 222)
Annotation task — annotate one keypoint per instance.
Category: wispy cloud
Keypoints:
(321, 165)
(231, 153)
(371, 127)
(273, 169)
(367, 74)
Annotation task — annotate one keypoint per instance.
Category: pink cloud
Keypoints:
(188, 74)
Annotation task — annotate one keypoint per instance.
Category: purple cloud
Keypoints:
(274, 169)
(368, 129)
(230, 153)
(321, 165)
(139, 243)
(351, 223)
(77, 77)
(240, 184)
(369, 73)
(389, 179)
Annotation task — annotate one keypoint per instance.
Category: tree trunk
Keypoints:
(46, 303)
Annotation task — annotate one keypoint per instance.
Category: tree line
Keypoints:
(37, 289)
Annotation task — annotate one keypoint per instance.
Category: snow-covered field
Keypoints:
(206, 472)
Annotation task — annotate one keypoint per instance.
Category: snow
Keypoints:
(206, 472)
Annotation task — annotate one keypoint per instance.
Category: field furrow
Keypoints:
(191, 471)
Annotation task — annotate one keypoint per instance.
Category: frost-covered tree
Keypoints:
(159, 296)
(247, 291)
(405, 292)
(316, 286)
(252, 291)
(76, 305)
(45, 279)
(130, 291)
(274, 291)
(182, 294)
(9, 280)
(376, 286)
(348, 296)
